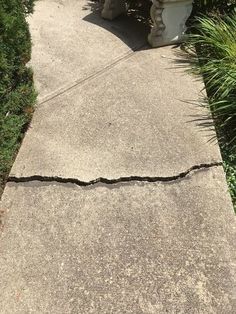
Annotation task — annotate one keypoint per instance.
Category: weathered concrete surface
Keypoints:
(134, 248)
(124, 248)
(72, 42)
(133, 120)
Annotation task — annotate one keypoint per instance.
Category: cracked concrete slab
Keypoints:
(133, 248)
(126, 247)
(102, 180)
(71, 42)
(137, 119)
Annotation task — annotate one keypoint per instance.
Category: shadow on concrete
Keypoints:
(203, 121)
(132, 29)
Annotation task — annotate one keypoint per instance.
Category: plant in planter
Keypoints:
(168, 16)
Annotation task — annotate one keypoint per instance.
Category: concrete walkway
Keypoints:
(117, 201)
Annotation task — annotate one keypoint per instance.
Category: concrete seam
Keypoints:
(77, 83)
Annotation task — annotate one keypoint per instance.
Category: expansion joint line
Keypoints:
(78, 182)
(92, 76)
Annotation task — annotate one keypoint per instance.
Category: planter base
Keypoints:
(168, 16)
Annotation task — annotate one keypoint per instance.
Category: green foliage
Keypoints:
(215, 43)
(230, 169)
(214, 6)
(17, 94)
(199, 6)
(216, 61)
(28, 6)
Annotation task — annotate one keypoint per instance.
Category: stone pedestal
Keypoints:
(168, 16)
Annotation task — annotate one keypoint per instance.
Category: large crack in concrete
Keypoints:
(52, 179)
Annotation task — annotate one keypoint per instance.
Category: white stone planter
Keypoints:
(168, 16)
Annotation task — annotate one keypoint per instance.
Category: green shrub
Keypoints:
(230, 170)
(17, 94)
(28, 6)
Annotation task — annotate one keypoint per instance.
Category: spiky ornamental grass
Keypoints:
(214, 40)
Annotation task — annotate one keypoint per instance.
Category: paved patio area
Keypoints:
(117, 201)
